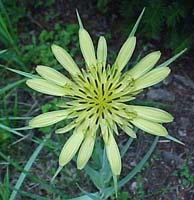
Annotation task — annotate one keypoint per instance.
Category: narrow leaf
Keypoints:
(170, 60)
(10, 86)
(137, 24)
(126, 146)
(109, 191)
(11, 130)
(174, 139)
(28, 75)
(27, 168)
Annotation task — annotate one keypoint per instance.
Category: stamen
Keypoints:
(77, 96)
(96, 82)
(102, 115)
(88, 109)
(119, 86)
(115, 108)
(95, 92)
(109, 87)
(103, 89)
(88, 79)
(82, 91)
(110, 112)
(111, 93)
(96, 122)
(89, 97)
(117, 98)
(90, 116)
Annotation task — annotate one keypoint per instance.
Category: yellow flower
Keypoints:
(100, 98)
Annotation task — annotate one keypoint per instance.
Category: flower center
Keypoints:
(101, 93)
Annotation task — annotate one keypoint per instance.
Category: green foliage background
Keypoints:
(168, 22)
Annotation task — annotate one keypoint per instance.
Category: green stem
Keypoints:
(109, 191)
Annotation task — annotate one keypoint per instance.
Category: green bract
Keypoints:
(100, 98)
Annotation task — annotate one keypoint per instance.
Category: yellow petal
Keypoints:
(115, 129)
(52, 75)
(129, 131)
(145, 65)
(85, 151)
(125, 53)
(104, 131)
(113, 155)
(65, 60)
(86, 44)
(117, 118)
(149, 127)
(49, 118)
(151, 78)
(70, 148)
(45, 87)
(87, 47)
(152, 114)
(102, 51)
(66, 128)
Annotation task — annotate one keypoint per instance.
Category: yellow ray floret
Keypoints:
(45, 87)
(65, 60)
(52, 75)
(102, 51)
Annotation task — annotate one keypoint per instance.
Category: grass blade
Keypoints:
(89, 196)
(3, 51)
(28, 75)
(94, 176)
(126, 146)
(5, 14)
(43, 184)
(23, 128)
(32, 196)
(14, 118)
(10, 86)
(11, 130)
(4, 186)
(140, 165)
(27, 168)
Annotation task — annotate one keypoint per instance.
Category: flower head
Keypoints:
(99, 98)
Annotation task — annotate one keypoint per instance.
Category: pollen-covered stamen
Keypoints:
(84, 114)
(79, 107)
(117, 82)
(86, 83)
(97, 92)
(123, 89)
(113, 82)
(91, 86)
(80, 93)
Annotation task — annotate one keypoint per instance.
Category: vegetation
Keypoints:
(27, 157)
(167, 22)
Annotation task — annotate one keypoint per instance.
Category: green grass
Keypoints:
(14, 134)
(27, 168)
(5, 186)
